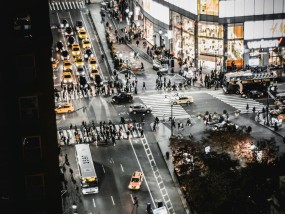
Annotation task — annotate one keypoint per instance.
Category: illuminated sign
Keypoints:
(263, 44)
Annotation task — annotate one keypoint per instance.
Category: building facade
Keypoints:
(30, 178)
(216, 34)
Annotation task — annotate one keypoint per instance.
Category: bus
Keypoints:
(88, 177)
(243, 81)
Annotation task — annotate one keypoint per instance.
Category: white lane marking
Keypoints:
(112, 200)
(103, 169)
(93, 202)
(156, 173)
(122, 167)
(132, 198)
(143, 173)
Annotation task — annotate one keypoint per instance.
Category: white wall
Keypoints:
(264, 29)
(235, 8)
(156, 10)
(188, 5)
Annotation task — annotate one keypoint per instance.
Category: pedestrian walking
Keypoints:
(143, 87)
(71, 171)
(128, 134)
(142, 133)
(188, 123)
(136, 201)
(137, 42)
(247, 107)
(154, 127)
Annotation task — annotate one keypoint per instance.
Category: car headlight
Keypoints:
(83, 73)
(65, 81)
(77, 73)
(70, 80)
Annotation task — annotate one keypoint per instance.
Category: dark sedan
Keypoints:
(123, 98)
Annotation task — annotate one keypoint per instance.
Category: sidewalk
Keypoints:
(94, 11)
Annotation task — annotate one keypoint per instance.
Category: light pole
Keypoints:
(160, 37)
(167, 98)
(267, 107)
(171, 115)
(215, 61)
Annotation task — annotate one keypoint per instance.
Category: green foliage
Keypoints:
(216, 183)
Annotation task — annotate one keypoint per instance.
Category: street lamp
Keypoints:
(171, 114)
(160, 37)
(215, 61)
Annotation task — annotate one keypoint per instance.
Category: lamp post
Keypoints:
(171, 115)
(215, 61)
(160, 37)
(267, 108)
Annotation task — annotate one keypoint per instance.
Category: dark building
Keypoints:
(30, 178)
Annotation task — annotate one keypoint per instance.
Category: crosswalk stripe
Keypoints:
(67, 133)
(161, 106)
(66, 5)
(238, 102)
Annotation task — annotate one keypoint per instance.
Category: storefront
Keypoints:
(210, 45)
(148, 31)
(155, 24)
(261, 42)
(183, 42)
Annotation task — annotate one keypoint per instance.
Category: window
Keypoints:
(35, 186)
(28, 108)
(32, 149)
(26, 68)
(23, 25)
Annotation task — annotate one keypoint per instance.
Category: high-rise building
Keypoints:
(30, 178)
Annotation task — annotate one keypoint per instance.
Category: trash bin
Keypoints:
(167, 155)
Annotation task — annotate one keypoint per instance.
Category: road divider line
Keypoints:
(93, 202)
(122, 168)
(113, 200)
(147, 186)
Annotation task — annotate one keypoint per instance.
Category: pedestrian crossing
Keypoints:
(66, 5)
(238, 102)
(68, 136)
(161, 107)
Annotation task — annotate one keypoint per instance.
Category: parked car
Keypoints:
(136, 180)
(123, 97)
(139, 108)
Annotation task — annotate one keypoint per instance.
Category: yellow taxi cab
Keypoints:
(75, 49)
(182, 99)
(64, 108)
(82, 34)
(86, 43)
(136, 180)
(93, 73)
(92, 63)
(67, 77)
(54, 63)
(67, 65)
(79, 61)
